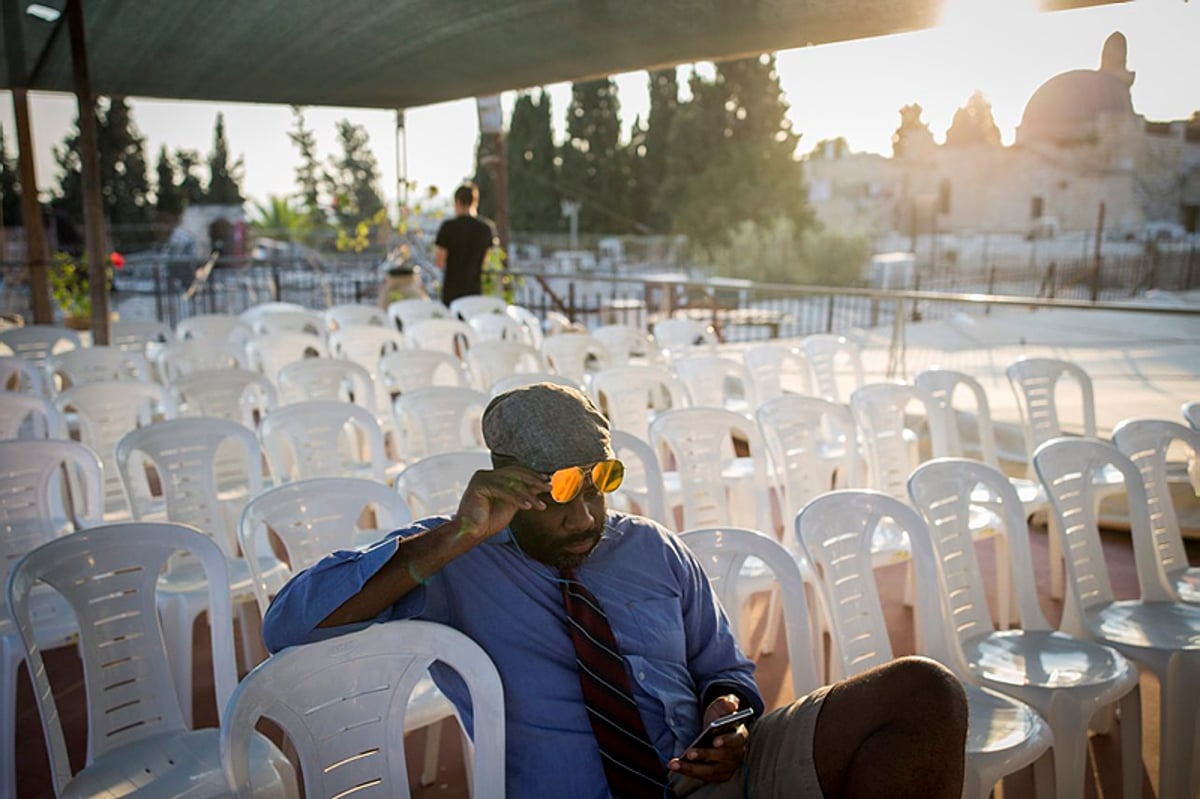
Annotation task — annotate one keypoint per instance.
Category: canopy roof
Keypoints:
(406, 53)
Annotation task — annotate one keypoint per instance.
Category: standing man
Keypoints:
(612, 648)
(462, 244)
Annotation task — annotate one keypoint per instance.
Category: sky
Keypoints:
(853, 89)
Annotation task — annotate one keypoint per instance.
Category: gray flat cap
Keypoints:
(546, 427)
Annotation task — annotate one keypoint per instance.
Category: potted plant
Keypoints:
(71, 287)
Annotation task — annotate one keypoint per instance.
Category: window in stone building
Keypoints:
(1036, 207)
(944, 197)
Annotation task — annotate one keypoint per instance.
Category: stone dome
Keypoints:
(1068, 107)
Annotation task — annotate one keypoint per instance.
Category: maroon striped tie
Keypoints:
(631, 763)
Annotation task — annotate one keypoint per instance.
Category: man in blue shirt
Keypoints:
(530, 537)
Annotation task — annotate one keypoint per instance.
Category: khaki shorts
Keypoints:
(779, 756)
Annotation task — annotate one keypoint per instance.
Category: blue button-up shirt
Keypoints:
(672, 632)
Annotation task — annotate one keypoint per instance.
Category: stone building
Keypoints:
(1080, 143)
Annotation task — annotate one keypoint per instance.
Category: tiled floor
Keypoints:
(63, 667)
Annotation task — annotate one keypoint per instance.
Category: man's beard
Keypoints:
(554, 552)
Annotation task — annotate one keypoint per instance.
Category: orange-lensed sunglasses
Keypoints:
(606, 476)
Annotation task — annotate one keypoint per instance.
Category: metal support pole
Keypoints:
(36, 252)
(93, 210)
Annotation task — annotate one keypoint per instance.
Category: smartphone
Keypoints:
(720, 726)
(681, 785)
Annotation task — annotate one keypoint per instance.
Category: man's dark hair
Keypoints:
(467, 194)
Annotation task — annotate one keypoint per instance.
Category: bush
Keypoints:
(776, 253)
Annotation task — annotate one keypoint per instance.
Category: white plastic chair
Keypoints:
(723, 552)
(198, 489)
(836, 530)
(342, 317)
(944, 385)
(678, 337)
(528, 379)
(1157, 632)
(439, 419)
(198, 355)
(312, 518)
(891, 418)
(405, 370)
(627, 344)
(271, 352)
(493, 360)
(1036, 383)
(434, 485)
(238, 395)
(1147, 443)
(630, 396)
(365, 345)
(1065, 679)
(34, 509)
(714, 381)
(95, 365)
(453, 336)
(770, 365)
(327, 379)
(532, 324)
(18, 375)
(289, 321)
(811, 444)
(642, 490)
(138, 739)
(573, 355)
(139, 336)
(500, 327)
(105, 412)
(323, 438)
(225, 328)
(476, 304)
(257, 311)
(716, 487)
(1191, 412)
(830, 357)
(36, 343)
(344, 704)
(405, 313)
(28, 416)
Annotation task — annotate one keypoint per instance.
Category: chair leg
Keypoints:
(11, 653)
(1004, 592)
(1056, 556)
(433, 745)
(1178, 712)
(774, 620)
(178, 621)
(1131, 743)
(1044, 775)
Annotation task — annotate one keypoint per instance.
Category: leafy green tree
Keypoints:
(170, 196)
(532, 175)
(308, 173)
(224, 182)
(10, 188)
(913, 137)
(352, 178)
(486, 160)
(124, 183)
(190, 187)
(732, 156)
(973, 124)
(648, 149)
(595, 170)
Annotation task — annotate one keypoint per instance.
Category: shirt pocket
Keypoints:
(653, 628)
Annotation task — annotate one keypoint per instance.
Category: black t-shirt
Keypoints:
(466, 240)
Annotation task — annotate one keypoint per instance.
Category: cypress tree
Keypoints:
(353, 177)
(169, 202)
(224, 182)
(10, 188)
(595, 171)
(532, 175)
